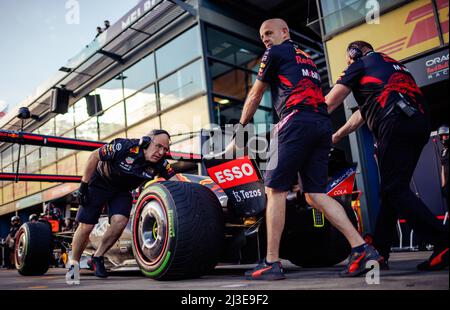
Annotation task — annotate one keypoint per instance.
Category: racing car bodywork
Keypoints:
(183, 228)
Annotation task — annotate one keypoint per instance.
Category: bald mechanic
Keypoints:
(111, 173)
(304, 141)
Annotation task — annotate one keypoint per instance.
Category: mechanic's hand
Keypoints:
(335, 138)
(82, 193)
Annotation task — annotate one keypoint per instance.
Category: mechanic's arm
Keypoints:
(252, 101)
(336, 96)
(353, 123)
(91, 165)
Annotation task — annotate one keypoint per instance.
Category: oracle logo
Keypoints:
(235, 172)
(436, 61)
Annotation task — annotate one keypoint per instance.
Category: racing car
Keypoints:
(184, 227)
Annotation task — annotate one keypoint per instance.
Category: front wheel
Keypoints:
(177, 230)
(33, 251)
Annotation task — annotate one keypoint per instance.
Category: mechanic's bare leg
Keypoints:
(79, 243)
(118, 224)
(335, 213)
(275, 219)
(80, 240)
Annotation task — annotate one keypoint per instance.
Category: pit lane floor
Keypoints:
(402, 276)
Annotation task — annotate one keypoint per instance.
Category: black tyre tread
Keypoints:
(38, 256)
(199, 232)
(198, 243)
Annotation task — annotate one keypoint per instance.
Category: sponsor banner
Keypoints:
(401, 33)
(8, 208)
(59, 191)
(430, 69)
(29, 201)
(241, 181)
(233, 173)
(342, 185)
(247, 200)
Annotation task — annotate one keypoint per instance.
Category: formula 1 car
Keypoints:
(183, 228)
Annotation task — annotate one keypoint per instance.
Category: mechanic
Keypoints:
(392, 106)
(111, 173)
(443, 137)
(33, 218)
(304, 142)
(10, 241)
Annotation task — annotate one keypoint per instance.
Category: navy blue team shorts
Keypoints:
(303, 146)
(101, 195)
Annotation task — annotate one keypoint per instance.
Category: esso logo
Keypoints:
(235, 172)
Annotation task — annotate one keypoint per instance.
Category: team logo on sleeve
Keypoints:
(266, 55)
(129, 160)
(107, 150)
(262, 67)
(169, 169)
(118, 146)
(300, 52)
(134, 150)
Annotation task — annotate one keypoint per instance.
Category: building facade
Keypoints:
(188, 65)
(177, 65)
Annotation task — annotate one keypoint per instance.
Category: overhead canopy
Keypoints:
(139, 25)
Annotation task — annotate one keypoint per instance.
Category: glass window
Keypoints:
(111, 121)
(8, 169)
(67, 166)
(229, 81)
(80, 111)
(181, 85)
(178, 51)
(142, 129)
(140, 74)
(22, 166)
(15, 152)
(7, 157)
(338, 14)
(88, 130)
(141, 105)
(33, 162)
(111, 92)
(61, 153)
(228, 109)
(48, 156)
(27, 149)
(48, 129)
(233, 50)
(263, 116)
(64, 122)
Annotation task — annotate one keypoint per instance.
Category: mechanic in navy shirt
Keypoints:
(302, 145)
(111, 173)
(392, 106)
